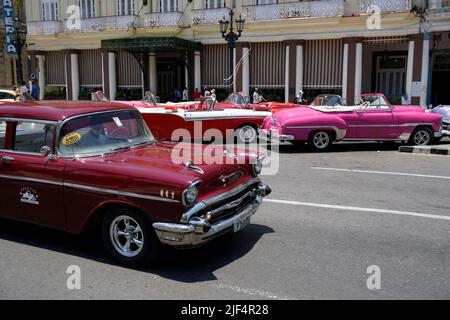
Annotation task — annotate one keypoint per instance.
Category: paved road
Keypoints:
(330, 217)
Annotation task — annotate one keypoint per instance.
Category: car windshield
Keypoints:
(327, 100)
(377, 102)
(235, 98)
(102, 133)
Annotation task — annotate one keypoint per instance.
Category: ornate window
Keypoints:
(168, 5)
(50, 10)
(126, 7)
(213, 4)
(87, 8)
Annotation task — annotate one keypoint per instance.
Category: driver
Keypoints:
(95, 136)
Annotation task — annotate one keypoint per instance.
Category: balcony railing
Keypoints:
(385, 6)
(304, 9)
(162, 19)
(208, 16)
(104, 23)
(44, 27)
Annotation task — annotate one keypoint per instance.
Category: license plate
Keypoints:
(242, 223)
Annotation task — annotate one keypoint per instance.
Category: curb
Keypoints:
(425, 150)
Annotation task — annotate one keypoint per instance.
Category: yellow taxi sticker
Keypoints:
(71, 138)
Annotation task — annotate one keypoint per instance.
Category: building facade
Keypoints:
(398, 47)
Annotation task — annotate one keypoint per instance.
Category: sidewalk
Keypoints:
(443, 148)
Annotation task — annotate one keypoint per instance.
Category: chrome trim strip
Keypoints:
(390, 125)
(13, 119)
(118, 193)
(314, 127)
(207, 203)
(27, 179)
(87, 188)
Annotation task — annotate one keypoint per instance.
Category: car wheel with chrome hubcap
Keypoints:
(320, 141)
(129, 238)
(422, 136)
(246, 134)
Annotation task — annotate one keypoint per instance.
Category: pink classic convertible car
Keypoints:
(375, 119)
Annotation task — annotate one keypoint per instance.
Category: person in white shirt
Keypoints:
(23, 88)
(257, 97)
(185, 94)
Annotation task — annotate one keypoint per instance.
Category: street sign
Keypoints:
(8, 18)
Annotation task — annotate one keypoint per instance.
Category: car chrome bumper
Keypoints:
(199, 230)
(445, 133)
(281, 137)
(439, 134)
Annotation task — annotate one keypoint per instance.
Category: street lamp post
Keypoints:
(19, 39)
(227, 30)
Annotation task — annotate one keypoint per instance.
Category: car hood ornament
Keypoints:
(191, 165)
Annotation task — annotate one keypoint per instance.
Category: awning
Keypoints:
(151, 44)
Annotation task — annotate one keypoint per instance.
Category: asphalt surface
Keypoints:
(330, 217)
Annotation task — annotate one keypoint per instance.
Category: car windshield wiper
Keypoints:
(116, 149)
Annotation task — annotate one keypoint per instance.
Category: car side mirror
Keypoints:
(46, 152)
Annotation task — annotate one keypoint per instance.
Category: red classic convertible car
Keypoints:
(207, 120)
(375, 119)
(77, 165)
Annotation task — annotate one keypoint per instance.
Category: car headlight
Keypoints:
(258, 166)
(446, 120)
(190, 194)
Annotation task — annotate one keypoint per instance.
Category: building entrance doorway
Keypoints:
(391, 76)
(171, 78)
(441, 73)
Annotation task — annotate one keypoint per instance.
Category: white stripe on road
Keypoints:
(359, 209)
(253, 292)
(384, 172)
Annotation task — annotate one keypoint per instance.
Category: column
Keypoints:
(352, 73)
(41, 75)
(75, 76)
(243, 70)
(246, 71)
(409, 71)
(425, 70)
(417, 84)
(153, 73)
(286, 76)
(186, 73)
(294, 68)
(68, 61)
(358, 72)
(299, 69)
(112, 75)
(345, 73)
(105, 73)
(197, 71)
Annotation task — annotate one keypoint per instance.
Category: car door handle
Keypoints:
(7, 159)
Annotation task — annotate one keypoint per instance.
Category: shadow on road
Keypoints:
(189, 266)
(289, 148)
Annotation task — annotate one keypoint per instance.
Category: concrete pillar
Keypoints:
(186, 73)
(358, 72)
(299, 69)
(345, 73)
(153, 73)
(197, 72)
(409, 71)
(75, 76)
(286, 76)
(352, 75)
(425, 70)
(294, 68)
(41, 76)
(246, 71)
(112, 75)
(417, 83)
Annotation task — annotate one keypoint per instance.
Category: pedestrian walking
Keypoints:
(185, 94)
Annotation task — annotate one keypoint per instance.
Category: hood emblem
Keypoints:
(191, 165)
